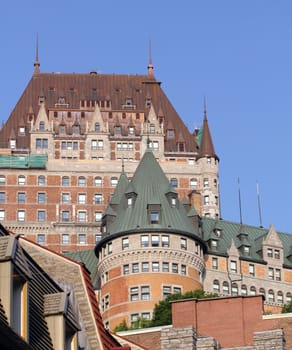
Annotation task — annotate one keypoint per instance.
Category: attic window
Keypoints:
(154, 217)
(97, 127)
(42, 126)
(21, 131)
(170, 134)
(41, 99)
(148, 102)
(61, 100)
(173, 202)
(130, 202)
(181, 147)
(218, 232)
(214, 244)
(152, 129)
(129, 102)
(246, 250)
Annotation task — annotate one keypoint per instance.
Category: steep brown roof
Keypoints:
(93, 86)
(206, 147)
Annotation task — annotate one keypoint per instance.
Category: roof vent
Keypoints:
(93, 72)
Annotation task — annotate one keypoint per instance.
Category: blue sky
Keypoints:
(236, 53)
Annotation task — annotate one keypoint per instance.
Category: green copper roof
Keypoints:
(149, 187)
(32, 161)
(252, 236)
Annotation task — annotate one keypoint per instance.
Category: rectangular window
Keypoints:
(125, 243)
(2, 214)
(65, 198)
(126, 269)
(100, 144)
(155, 266)
(93, 144)
(233, 266)
(81, 198)
(165, 241)
(144, 241)
(21, 215)
(183, 243)
(145, 266)
(206, 200)
(2, 197)
(206, 182)
(176, 290)
(277, 254)
(134, 293)
(65, 216)
(134, 319)
(270, 252)
(65, 181)
(277, 274)
(251, 270)
(110, 248)
(154, 217)
(65, 238)
(41, 238)
(165, 267)
(2, 180)
(41, 197)
(271, 273)
(215, 263)
(174, 268)
(98, 198)
(183, 269)
(166, 291)
(41, 215)
(81, 181)
(155, 241)
(135, 267)
(82, 238)
(97, 216)
(21, 197)
(41, 180)
(145, 293)
(81, 216)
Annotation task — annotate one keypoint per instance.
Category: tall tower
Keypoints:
(151, 246)
(207, 202)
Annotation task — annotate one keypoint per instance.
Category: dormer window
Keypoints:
(129, 101)
(131, 130)
(246, 250)
(76, 129)
(181, 146)
(213, 244)
(154, 217)
(21, 131)
(173, 202)
(41, 99)
(61, 100)
(118, 130)
(152, 129)
(218, 232)
(148, 101)
(170, 133)
(97, 127)
(12, 144)
(130, 202)
(42, 126)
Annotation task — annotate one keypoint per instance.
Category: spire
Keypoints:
(36, 62)
(150, 65)
(206, 144)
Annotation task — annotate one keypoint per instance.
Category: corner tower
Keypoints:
(207, 204)
(150, 247)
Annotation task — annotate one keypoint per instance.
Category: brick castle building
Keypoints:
(72, 138)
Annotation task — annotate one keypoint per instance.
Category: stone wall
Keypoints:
(178, 338)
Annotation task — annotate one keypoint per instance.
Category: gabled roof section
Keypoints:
(151, 186)
(42, 117)
(206, 144)
(272, 238)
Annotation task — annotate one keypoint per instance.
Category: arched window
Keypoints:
(98, 181)
(114, 181)
(216, 286)
(234, 289)
(288, 297)
(271, 296)
(41, 180)
(280, 297)
(225, 288)
(253, 290)
(81, 181)
(243, 290)
(262, 292)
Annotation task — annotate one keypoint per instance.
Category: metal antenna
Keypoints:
(259, 204)
(239, 198)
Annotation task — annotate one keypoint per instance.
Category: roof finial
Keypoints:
(205, 108)
(150, 65)
(36, 62)
(123, 165)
